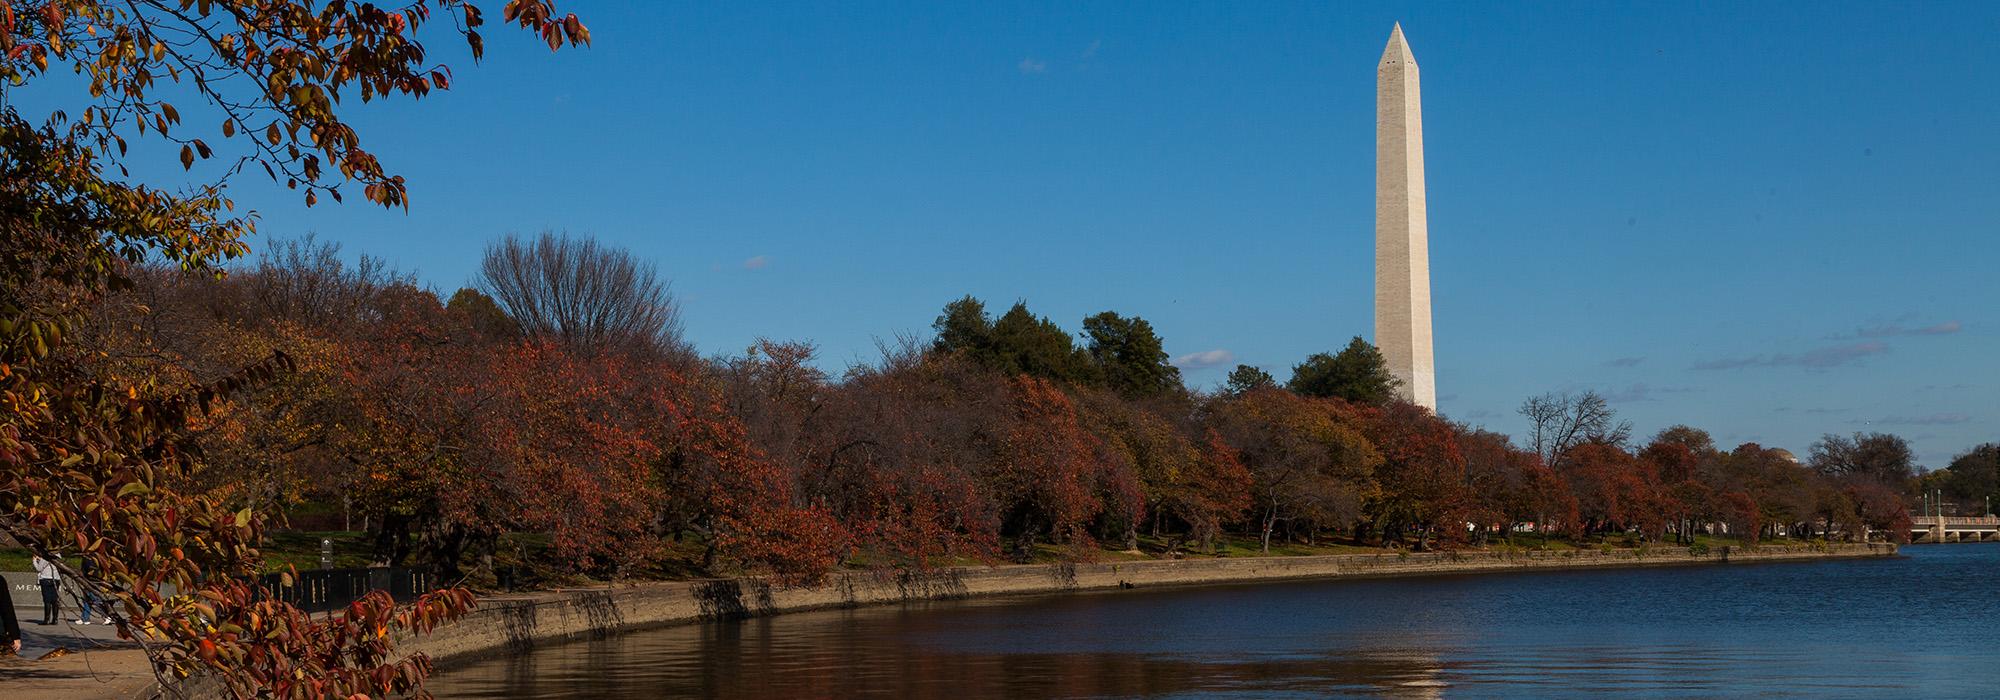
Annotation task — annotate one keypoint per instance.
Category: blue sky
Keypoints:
(1768, 220)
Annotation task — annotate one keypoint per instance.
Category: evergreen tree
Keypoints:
(1245, 379)
(1129, 357)
(1024, 344)
(964, 326)
(1358, 374)
(484, 314)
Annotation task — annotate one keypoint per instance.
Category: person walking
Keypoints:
(51, 582)
(86, 596)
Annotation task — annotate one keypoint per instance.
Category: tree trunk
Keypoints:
(1270, 521)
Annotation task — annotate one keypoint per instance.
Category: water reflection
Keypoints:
(1924, 626)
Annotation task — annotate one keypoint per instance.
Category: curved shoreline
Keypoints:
(507, 624)
(520, 622)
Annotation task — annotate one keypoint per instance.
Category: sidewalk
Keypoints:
(98, 663)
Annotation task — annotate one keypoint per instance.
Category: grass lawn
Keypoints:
(16, 559)
(300, 548)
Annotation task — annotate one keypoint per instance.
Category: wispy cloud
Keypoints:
(1090, 52)
(1901, 328)
(1640, 392)
(1809, 411)
(1205, 359)
(1821, 358)
(1932, 419)
(756, 263)
(1032, 65)
(1945, 387)
(1625, 362)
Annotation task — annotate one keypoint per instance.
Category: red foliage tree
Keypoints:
(1740, 512)
(1423, 479)
(1881, 508)
(574, 439)
(1550, 499)
(1044, 475)
(1309, 462)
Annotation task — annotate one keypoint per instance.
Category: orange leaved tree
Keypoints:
(96, 465)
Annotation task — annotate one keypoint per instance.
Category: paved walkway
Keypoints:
(97, 663)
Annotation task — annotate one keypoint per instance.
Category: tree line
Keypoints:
(557, 398)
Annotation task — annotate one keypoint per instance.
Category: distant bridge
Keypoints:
(1948, 528)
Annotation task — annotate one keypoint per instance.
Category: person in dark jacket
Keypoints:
(10, 629)
(86, 595)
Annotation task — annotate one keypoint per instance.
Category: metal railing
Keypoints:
(320, 590)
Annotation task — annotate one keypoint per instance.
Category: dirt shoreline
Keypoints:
(518, 622)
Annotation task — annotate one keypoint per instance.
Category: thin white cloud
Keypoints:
(1821, 358)
(1205, 359)
(1090, 51)
(1901, 328)
(1932, 419)
(1641, 392)
(1625, 362)
(756, 263)
(1031, 65)
(1808, 411)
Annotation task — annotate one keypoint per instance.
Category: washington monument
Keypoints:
(1402, 248)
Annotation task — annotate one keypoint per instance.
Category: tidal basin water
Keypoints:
(1926, 624)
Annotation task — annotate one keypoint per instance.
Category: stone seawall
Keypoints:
(520, 622)
(512, 623)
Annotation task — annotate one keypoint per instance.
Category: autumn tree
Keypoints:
(1773, 479)
(583, 294)
(902, 455)
(1498, 476)
(1695, 440)
(1881, 508)
(1741, 514)
(1559, 422)
(778, 393)
(1357, 373)
(1194, 482)
(1878, 457)
(97, 463)
(1308, 461)
(1044, 477)
(1611, 491)
(1424, 495)
(304, 281)
(1550, 499)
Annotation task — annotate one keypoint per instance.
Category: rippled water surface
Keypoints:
(1923, 625)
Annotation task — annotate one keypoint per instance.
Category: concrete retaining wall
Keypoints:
(513, 623)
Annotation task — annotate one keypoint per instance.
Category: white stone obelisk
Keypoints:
(1402, 248)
